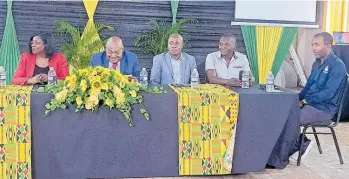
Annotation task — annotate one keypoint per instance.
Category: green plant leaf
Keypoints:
(146, 116)
(41, 90)
(63, 106)
(143, 110)
(48, 106)
(154, 42)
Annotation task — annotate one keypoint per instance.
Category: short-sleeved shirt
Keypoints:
(215, 61)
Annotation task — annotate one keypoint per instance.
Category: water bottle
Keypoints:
(144, 77)
(194, 79)
(245, 79)
(52, 80)
(269, 87)
(2, 77)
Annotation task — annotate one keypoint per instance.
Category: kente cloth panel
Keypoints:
(207, 118)
(15, 133)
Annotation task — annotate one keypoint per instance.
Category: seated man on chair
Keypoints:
(116, 57)
(320, 97)
(174, 66)
(224, 66)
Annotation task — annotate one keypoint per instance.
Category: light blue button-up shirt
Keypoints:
(176, 66)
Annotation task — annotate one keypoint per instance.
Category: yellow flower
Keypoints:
(61, 96)
(73, 79)
(120, 99)
(83, 72)
(88, 105)
(110, 85)
(133, 93)
(71, 85)
(105, 74)
(83, 85)
(96, 86)
(105, 86)
(108, 102)
(93, 99)
(116, 91)
(78, 101)
(72, 82)
(91, 78)
(117, 73)
(97, 78)
(99, 69)
(122, 83)
(93, 72)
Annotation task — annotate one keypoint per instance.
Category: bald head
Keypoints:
(114, 40)
(114, 49)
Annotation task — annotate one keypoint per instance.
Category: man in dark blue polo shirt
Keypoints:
(319, 98)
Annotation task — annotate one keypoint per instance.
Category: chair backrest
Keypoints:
(341, 100)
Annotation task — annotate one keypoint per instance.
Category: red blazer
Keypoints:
(26, 65)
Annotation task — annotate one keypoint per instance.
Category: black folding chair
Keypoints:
(330, 126)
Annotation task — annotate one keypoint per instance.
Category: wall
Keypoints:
(303, 41)
(130, 19)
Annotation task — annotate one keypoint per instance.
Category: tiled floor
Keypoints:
(325, 165)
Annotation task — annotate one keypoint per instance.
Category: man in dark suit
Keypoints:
(116, 57)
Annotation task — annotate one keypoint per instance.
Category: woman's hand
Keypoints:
(43, 78)
(33, 80)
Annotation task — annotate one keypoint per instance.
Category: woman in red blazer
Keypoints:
(33, 67)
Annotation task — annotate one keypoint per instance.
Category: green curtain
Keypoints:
(174, 7)
(287, 37)
(249, 35)
(9, 51)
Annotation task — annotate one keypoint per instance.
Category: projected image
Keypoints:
(341, 38)
(282, 11)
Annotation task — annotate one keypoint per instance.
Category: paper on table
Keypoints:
(276, 91)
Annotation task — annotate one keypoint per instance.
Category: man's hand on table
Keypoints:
(132, 79)
(234, 82)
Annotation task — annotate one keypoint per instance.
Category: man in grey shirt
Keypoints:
(224, 66)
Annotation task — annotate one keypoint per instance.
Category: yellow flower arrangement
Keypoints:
(91, 88)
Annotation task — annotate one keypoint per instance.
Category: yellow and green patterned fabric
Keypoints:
(15, 133)
(207, 117)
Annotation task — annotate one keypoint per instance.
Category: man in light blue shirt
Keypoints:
(174, 66)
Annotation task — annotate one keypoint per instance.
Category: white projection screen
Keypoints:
(302, 12)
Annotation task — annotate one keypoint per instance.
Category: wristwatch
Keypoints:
(304, 101)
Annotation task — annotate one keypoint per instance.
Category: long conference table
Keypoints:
(73, 145)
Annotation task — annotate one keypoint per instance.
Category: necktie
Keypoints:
(115, 65)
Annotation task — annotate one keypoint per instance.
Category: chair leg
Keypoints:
(337, 146)
(301, 146)
(317, 140)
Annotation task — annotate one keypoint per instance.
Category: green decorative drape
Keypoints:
(249, 35)
(9, 51)
(174, 7)
(287, 37)
(267, 47)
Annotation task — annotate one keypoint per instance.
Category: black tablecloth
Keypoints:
(101, 145)
(267, 122)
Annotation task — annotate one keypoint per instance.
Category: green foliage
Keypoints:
(155, 41)
(79, 48)
(91, 88)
